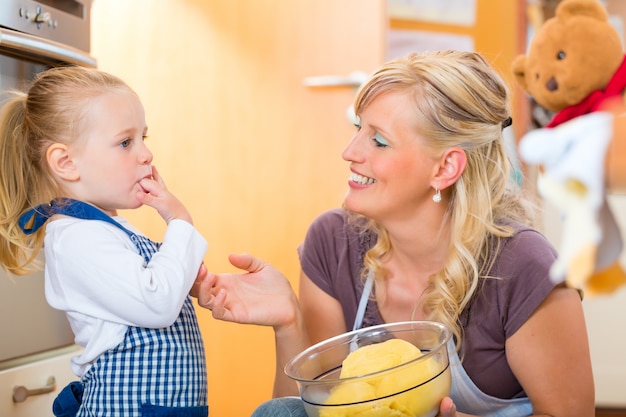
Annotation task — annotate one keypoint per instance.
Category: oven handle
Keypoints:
(33, 46)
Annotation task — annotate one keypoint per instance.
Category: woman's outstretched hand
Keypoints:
(261, 296)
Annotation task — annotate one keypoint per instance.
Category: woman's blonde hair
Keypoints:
(459, 101)
(50, 112)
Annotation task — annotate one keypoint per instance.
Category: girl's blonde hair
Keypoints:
(459, 101)
(50, 112)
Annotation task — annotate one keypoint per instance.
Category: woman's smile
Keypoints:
(361, 180)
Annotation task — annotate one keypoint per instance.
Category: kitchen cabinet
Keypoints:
(35, 374)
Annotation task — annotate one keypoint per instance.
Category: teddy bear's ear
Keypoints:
(590, 8)
(518, 67)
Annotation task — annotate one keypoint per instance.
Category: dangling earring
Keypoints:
(437, 196)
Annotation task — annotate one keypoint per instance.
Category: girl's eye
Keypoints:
(144, 137)
(125, 143)
(380, 141)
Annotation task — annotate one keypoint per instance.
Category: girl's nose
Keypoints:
(145, 156)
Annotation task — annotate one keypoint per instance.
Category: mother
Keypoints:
(432, 227)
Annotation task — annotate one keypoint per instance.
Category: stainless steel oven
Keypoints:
(35, 35)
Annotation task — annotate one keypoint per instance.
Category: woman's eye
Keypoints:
(380, 141)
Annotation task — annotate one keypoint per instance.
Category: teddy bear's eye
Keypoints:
(560, 55)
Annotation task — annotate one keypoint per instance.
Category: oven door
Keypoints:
(28, 324)
(26, 48)
(29, 327)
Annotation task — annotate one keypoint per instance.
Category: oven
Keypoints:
(36, 341)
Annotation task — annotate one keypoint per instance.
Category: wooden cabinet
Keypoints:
(36, 375)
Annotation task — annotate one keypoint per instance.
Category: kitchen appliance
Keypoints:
(35, 35)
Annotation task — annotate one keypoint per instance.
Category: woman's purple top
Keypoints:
(332, 257)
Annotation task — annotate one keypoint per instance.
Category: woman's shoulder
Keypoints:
(522, 267)
(333, 217)
(330, 222)
(340, 224)
(528, 241)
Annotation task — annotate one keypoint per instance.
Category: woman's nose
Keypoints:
(352, 152)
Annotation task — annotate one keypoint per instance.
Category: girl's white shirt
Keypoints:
(94, 273)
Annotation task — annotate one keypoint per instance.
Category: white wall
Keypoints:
(606, 320)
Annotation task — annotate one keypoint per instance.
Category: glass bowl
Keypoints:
(387, 377)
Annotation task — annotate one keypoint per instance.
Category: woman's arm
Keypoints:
(550, 357)
(323, 315)
(261, 296)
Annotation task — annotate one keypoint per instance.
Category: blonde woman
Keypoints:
(433, 221)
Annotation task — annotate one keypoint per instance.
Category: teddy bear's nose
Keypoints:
(552, 85)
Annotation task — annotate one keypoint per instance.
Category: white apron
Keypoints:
(467, 397)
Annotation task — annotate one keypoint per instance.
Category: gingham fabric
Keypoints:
(163, 367)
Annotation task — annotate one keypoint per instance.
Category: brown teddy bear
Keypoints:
(575, 67)
(575, 61)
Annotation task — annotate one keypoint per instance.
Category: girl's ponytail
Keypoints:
(17, 251)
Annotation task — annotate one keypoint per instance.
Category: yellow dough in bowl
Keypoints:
(378, 357)
(420, 401)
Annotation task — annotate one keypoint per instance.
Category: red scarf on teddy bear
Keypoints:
(592, 102)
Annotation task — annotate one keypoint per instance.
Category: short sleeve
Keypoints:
(525, 270)
(322, 248)
(332, 257)
(518, 283)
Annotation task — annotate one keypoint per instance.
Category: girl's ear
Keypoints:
(61, 163)
(451, 167)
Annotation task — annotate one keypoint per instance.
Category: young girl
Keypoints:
(72, 153)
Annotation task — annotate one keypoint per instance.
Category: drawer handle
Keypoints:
(21, 393)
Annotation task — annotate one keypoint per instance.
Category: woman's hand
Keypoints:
(261, 296)
(447, 408)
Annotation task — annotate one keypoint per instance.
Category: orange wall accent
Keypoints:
(253, 153)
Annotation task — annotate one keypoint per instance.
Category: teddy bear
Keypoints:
(575, 67)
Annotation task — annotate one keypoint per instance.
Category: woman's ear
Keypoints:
(61, 163)
(451, 167)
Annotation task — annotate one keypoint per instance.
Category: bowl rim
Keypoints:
(446, 332)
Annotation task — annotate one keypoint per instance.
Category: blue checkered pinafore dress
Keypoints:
(152, 372)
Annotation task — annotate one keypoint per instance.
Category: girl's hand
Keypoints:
(262, 296)
(156, 195)
(200, 278)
